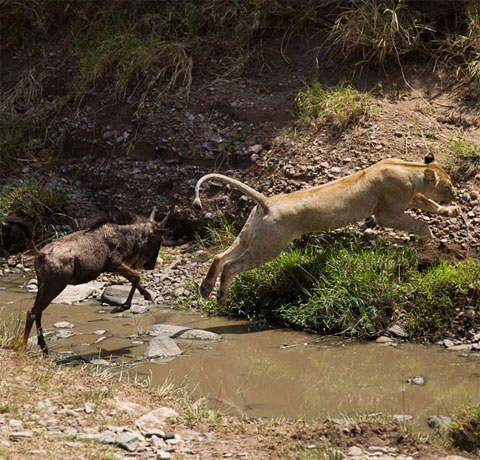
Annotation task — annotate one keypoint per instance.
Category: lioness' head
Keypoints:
(438, 185)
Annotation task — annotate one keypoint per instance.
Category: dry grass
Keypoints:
(372, 32)
(461, 51)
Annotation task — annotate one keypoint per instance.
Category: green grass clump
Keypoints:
(351, 288)
(463, 431)
(220, 233)
(31, 201)
(464, 157)
(434, 294)
(339, 106)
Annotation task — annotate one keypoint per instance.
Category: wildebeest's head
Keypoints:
(146, 252)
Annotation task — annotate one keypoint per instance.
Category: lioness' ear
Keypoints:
(429, 158)
(430, 177)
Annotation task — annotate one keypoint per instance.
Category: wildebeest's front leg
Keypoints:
(134, 277)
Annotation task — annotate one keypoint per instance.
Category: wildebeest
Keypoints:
(82, 256)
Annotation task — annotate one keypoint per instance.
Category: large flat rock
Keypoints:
(162, 346)
(117, 294)
(73, 294)
(182, 332)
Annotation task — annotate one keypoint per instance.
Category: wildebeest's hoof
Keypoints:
(120, 308)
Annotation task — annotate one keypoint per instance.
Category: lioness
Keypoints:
(385, 189)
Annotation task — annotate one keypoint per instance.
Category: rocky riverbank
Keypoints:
(89, 413)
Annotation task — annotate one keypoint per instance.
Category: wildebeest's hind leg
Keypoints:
(42, 301)
(134, 277)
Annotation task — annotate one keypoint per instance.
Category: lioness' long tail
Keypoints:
(259, 198)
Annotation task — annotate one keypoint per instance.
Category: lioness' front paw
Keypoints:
(205, 289)
(451, 211)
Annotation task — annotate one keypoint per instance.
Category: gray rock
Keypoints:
(398, 331)
(139, 309)
(19, 435)
(337, 421)
(117, 294)
(14, 423)
(161, 454)
(257, 148)
(64, 334)
(162, 346)
(72, 294)
(107, 437)
(129, 441)
(63, 325)
(149, 454)
(153, 423)
(416, 381)
(89, 407)
(100, 362)
(181, 332)
(437, 421)
(462, 347)
(384, 339)
(447, 343)
(354, 450)
(402, 418)
(454, 457)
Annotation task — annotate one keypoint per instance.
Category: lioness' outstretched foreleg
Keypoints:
(419, 201)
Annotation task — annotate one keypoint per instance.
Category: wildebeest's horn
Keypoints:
(164, 221)
(152, 215)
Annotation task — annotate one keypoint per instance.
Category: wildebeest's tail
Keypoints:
(27, 228)
(258, 197)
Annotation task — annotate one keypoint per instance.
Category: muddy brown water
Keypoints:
(271, 373)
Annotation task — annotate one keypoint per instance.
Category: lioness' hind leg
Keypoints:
(405, 222)
(257, 254)
(238, 247)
